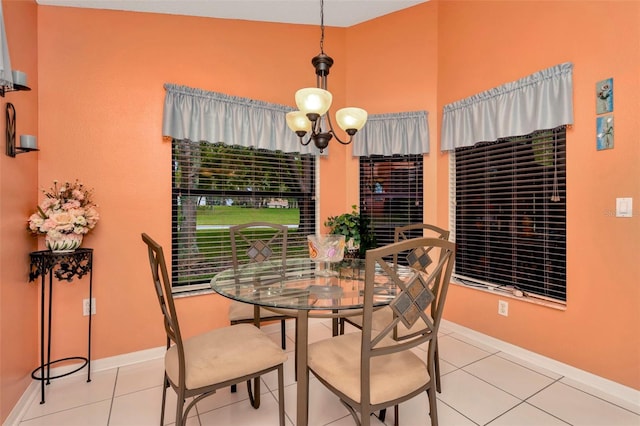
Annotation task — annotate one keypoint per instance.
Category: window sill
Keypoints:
(512, 294)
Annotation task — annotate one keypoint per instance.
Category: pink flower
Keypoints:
(78, 195)
(71, 204)
(35, 222)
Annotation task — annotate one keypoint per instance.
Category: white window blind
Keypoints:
(391, 193)
(218, 185)
(508, 213)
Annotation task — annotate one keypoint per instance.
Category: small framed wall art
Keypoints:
(604, 132)
(604, 96)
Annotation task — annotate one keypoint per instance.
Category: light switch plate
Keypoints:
(624, 207)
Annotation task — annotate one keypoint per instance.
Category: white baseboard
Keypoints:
(126, 359)
(33, 390)
(606, 386)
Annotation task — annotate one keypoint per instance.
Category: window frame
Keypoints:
(305, 200)
(393, 191)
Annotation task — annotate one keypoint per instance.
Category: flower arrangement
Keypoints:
(67, 209)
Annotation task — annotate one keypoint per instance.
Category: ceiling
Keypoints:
(337, 13)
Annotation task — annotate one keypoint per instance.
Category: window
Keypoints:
(509, 213)
(390, 193)
(218, 185)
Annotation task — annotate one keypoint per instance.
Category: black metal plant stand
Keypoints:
(65, 266)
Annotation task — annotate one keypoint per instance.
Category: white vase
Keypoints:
(64, 243)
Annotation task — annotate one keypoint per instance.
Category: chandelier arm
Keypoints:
(302, 141)
(315, 130)
(333, 132)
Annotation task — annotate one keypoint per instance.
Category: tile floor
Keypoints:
(480, 386)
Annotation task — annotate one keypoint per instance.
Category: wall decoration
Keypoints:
(604, 96)
(604, 132)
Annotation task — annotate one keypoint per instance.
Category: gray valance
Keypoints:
(395, 133)
(6, 78)
(543, 100)
(199, 115)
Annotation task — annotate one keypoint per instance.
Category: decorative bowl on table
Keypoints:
(325, 249)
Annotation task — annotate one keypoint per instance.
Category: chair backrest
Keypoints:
(406, 232)
(258, 241)
(416, 305)
(162, 287)
(421, 260)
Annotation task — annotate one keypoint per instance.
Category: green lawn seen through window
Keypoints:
(235, 215)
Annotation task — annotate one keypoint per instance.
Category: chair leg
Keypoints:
(254, 397)
(396, 413)
(283, 334)
(436, 365)
(383, 414)
(180, 420)
(234, 388)
(164, 398)
(295, 357)
(281, 394)
(433, 410)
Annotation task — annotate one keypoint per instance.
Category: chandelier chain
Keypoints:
(321, 26)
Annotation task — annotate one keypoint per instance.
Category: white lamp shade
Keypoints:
(313, 100)
(351, 118)
(298, 121)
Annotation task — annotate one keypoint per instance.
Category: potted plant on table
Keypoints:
(355, 228)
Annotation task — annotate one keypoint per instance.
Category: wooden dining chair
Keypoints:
(402, 233)
(376, 369)
(197, 367)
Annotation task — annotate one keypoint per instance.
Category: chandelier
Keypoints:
(314, 103)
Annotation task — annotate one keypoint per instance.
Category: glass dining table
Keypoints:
(298, 284)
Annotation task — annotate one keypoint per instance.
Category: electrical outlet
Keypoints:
(503, 308)
(86, 307)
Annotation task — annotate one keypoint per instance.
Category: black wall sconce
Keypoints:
(27, 142)
(19, 83)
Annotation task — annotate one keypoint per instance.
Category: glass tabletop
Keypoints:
(298, 284)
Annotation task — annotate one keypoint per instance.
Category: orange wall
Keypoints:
(393, 68)
(100, 99)
(487, 43)
(18, 198)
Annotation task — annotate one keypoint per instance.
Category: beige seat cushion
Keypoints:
(337, 361)
(223, 354)
(239, 311)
